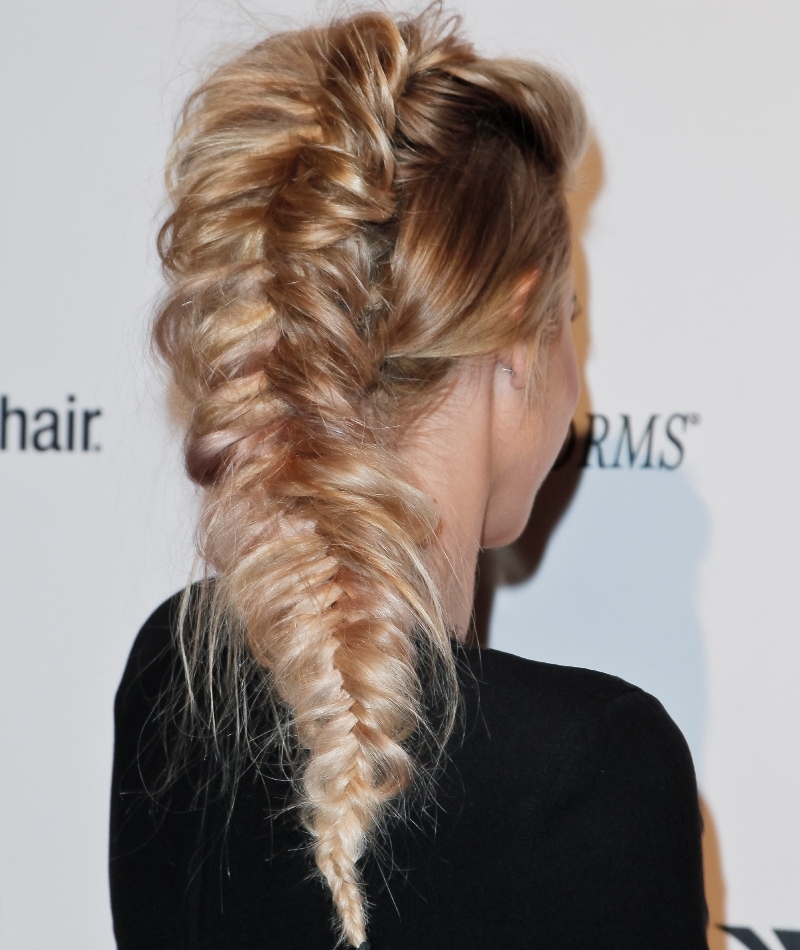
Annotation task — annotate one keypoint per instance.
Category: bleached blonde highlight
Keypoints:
(327, 265)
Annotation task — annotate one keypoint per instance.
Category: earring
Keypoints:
(507, 369)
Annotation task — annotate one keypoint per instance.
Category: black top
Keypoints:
(567, 819)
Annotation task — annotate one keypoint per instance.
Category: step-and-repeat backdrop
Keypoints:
(665, 548)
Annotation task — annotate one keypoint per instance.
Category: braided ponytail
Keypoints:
(295, 330)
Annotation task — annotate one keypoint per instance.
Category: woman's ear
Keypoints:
(513, 364)
(518, 363)
(513, 360)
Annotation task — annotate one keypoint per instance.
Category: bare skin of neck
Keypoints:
(482, 453)
(450, 454)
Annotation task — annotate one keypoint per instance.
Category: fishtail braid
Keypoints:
(317, 541)
(340, 235)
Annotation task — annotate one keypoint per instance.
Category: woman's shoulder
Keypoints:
(143, 703)
(157, 634)
(504, 679)
(568, 720)
(151, 664)
(578, 788)
(154, 658)
(523, 692)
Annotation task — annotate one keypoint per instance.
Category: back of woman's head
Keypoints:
(352, 206)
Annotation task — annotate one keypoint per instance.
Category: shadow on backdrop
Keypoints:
(616, 591)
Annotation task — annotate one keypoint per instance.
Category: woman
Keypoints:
(368, 318)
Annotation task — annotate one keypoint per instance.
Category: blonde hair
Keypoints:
(352, 205)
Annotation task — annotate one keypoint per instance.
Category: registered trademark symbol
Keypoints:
(694, 418)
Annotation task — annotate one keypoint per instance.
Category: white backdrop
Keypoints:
(680, 579)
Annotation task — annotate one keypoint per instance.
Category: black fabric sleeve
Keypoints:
(155, 835)
(622, 845)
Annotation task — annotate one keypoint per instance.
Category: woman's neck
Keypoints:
(449, 453)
